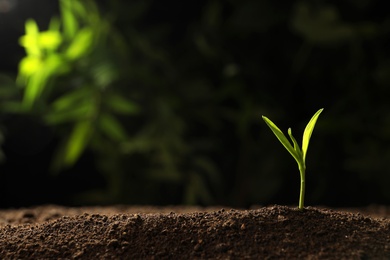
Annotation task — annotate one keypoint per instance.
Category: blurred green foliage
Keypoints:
(167, 97)
(72, 51)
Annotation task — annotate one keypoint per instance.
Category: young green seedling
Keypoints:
(296, 152)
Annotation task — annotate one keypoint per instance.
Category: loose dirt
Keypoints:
(120, 232)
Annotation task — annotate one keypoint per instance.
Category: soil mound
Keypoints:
(275, 232)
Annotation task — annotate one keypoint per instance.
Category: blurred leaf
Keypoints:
(78, 112)
(196, 190)
(110, 126)
(204, 174)
(50, 40)
(29, 65)
(121, 105)
(77, 142)
(213, 14)
(55, 25)
(85, 11)
(321, 25)
(74, 106)
(30, 40)
(80, 45)
(34, 73)
(204, 46)
(70, 23)
(55, 65)
(104, 73)
(12, 106)
(72, 98)
(34, 88)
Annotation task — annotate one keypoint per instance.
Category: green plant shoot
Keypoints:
(296, 152)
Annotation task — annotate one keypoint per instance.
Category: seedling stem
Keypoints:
(296, 152)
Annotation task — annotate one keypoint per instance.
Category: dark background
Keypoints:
(203, 73)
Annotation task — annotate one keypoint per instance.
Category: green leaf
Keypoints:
(82, 111)
(82, 9)
(69, 20)
(308, 131)
(34, 88)
(35, 73)
(121, 105)
(30, 40)
(112, 127)
(29, 65)
(49, 40)
(54, 65)
(282, 138)
(77, 142)
(104, 73)
(81, 44)
(73, 106)
(54, 25)
(72, 98)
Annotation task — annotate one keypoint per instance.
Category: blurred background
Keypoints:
(160, 102)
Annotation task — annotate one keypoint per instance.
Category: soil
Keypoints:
(122, 232)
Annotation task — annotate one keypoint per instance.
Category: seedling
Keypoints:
(296, 152)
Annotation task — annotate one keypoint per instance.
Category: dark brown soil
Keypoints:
(276, 232)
